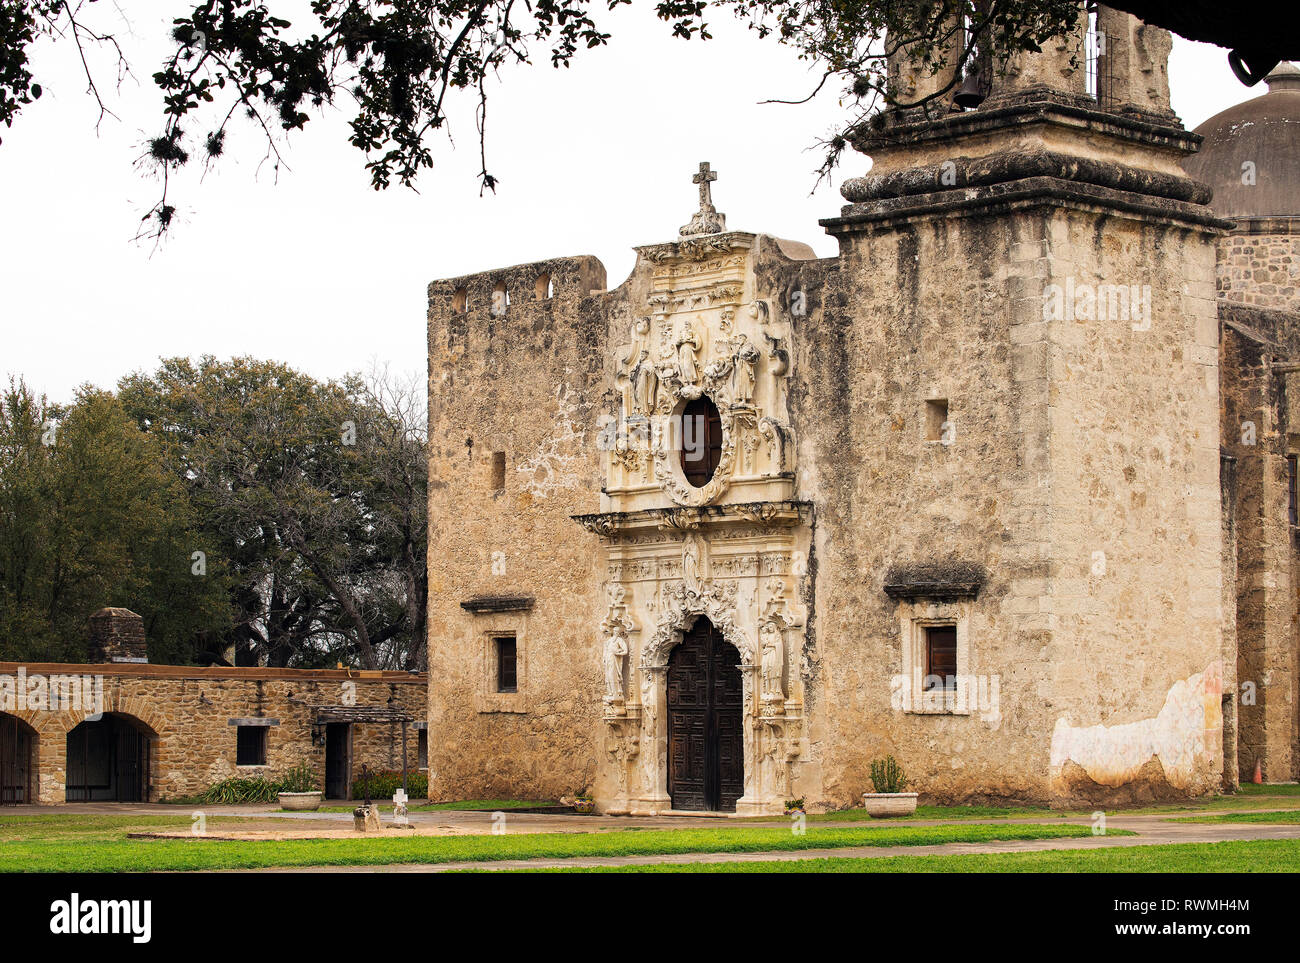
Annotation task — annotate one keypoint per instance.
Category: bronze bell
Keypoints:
(972, 91)
(1250, 66)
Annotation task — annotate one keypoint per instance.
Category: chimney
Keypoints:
(117, 635)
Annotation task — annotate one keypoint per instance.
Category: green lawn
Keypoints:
(1288, 818)
(1255, 856)
(1271, 789)
(99, 847)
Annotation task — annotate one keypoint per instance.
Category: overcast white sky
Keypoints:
(321, 272)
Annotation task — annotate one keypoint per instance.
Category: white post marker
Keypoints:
(399, 808)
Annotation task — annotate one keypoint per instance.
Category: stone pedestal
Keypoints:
(365, 819)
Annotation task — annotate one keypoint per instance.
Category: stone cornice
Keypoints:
(697, 248)
(962, 173)
(485, 604)
(783, 514)
(935, 580)
(1269, 224)
(1033, 105)
(1048, 193)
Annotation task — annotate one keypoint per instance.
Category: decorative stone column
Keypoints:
(753, 803)
(654, 740)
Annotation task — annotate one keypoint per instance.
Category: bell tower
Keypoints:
(1035, 276)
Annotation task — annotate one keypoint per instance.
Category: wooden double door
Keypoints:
(706, 754)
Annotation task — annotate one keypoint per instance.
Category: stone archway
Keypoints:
(681, 608)
(109, 759)
(17, 761)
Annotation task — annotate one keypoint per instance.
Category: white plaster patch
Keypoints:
(551, 466)
(1183, 736)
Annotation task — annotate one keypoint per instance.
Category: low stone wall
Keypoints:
(187, 714)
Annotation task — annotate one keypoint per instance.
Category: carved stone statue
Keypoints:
(615, 653)
(691, 563)
(771, 665)
(746, 359)
(645, 383)
(688, 346)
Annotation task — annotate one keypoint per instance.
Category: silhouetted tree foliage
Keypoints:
(396, 65)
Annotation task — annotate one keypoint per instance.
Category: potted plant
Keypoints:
(889, 799)
(793, 806)
(297, 789)
(583, 803)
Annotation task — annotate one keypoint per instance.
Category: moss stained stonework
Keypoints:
(995, 413)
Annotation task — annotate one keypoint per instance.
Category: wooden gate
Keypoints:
(108, 761)
(706, 756)
(15, 762)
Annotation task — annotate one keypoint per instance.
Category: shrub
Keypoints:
(887, 775)
(384, 784)
(260, 789)
(301, 778)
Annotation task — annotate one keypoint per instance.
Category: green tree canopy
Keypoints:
(88, 518)
(312, 494)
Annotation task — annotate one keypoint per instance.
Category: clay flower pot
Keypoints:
(884, 805)
(584, 805)
(300, 801)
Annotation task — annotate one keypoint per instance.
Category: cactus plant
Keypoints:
(887, 775)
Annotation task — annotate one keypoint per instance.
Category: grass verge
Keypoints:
(55, 854)
(1288, 818)
(1251, 856)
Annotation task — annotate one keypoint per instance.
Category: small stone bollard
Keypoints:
(365, 819)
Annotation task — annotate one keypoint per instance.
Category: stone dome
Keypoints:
(1263, 132)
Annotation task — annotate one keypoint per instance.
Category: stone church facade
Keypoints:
(720, 536)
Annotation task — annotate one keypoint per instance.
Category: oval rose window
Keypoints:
(701, 441)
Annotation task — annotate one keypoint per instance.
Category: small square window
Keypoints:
(507, 664)
(250, 745)
(940, 659)
(936, 420)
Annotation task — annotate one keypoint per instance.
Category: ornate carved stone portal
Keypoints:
(732, 550)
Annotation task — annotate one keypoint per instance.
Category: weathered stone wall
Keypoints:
(187, 712)
(1258, 431)
(525, 382)
(1259, 264)
(1069, 438)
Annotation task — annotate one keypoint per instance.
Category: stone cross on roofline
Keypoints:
(707, 220)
